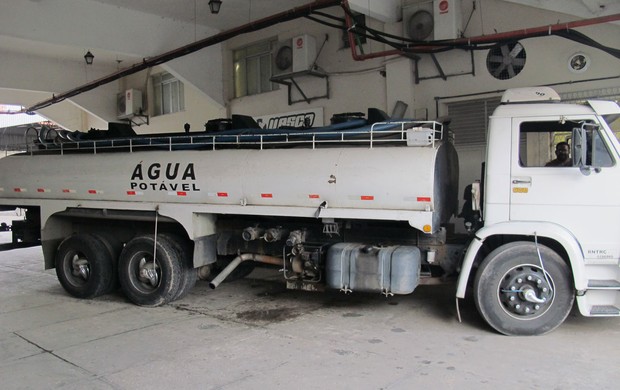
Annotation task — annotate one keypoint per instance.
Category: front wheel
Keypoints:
(517, 295)
(149, 271)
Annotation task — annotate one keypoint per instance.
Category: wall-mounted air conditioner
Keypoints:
(129, 103)
(432, 20)
(294, 55)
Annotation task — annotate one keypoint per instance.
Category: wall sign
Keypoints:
(312, 117)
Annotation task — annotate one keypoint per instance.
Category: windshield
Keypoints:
(614, 124)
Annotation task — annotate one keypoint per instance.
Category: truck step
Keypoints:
(604, 310)
(604, 284)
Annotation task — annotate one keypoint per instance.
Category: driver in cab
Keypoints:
(562, 153)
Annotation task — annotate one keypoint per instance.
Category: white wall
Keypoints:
(199, 107)
(547, 57)
(42, 44)
(354, 86)
(546, 63)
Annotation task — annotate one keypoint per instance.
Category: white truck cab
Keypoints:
(561, 221)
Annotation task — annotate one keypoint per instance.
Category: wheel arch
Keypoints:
(551, 235)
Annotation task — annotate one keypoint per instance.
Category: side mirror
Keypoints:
(580, 150)
(580, 146)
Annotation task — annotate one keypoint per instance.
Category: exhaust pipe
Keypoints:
(238, 260)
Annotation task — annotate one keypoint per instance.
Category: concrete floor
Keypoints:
(255, 334)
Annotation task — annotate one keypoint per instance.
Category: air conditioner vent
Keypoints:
(294, 55)
(432, 20)
(420, 25)
(129, 103)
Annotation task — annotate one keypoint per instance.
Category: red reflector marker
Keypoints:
(314, 196)
(222, 194)
(367, 197)
(181, 193)
(424, 198)
(266, 195)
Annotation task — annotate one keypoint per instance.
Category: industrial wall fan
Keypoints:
(506, 61)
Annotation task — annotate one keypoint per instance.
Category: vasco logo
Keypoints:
(297, 120)
(160, 177)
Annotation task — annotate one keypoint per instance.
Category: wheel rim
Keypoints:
(77, 268)
(526, 292)
(147, 273)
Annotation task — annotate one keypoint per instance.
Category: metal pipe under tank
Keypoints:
(238, 260)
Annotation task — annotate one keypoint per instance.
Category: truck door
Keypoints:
(546, 187)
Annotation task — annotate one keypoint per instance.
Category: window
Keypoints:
(597, 154)
(551, 144)
(169, 95)
(252, 69)
(614, 124)
(470, 120)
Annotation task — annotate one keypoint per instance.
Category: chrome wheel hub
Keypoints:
(524, 292)
(80, 267)
(147, 272)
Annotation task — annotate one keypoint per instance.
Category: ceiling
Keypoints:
(237, 12)
(120, 33)
(233, 12)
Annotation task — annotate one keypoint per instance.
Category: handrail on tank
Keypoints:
(372, 136)
(435, 127)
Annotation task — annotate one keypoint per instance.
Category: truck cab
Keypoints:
(561, 219)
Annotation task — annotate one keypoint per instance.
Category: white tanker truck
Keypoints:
(363, 205)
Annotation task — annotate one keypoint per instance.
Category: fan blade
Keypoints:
(516, 50)
(497, 59)
(511, 71)
(499, 70)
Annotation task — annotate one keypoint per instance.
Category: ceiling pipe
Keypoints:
(430, 48)
(256, 25)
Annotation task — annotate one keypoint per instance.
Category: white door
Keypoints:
(586, 205)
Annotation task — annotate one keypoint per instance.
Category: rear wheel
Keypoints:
(85, 266)
(149, 280)
(517, 295)
(114, 246)
(189, 274)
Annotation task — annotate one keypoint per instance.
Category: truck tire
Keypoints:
(147, 281)
(85, 266)
(189, 274)
(513, 295)
(114, 246)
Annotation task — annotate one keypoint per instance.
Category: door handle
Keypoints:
(521, 181)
